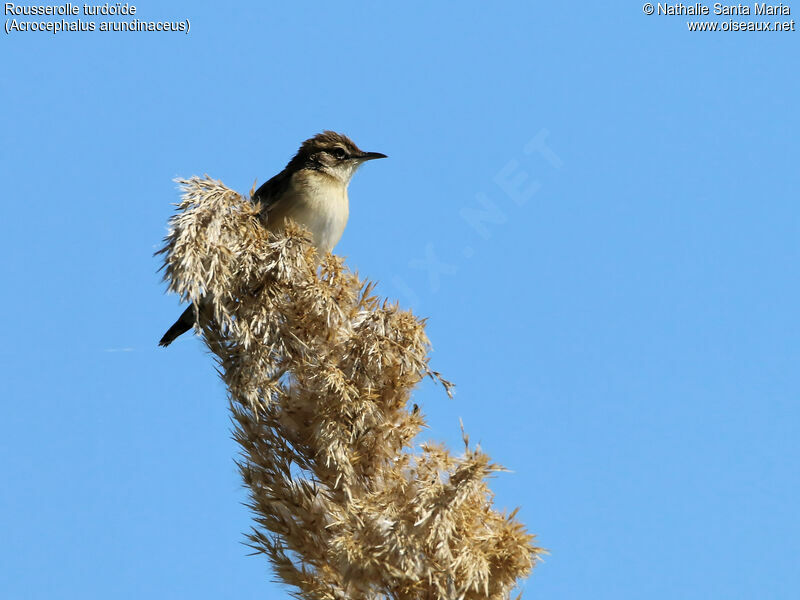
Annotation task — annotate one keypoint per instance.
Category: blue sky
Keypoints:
(595, 208)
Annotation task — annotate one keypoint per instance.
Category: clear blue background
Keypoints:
(626, 340)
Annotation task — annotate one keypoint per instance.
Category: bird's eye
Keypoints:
(339, 153)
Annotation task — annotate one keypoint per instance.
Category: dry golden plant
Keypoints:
(319, 373)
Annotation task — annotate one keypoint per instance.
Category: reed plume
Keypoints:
(319, 374)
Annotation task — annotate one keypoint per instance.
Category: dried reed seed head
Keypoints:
(319, 373)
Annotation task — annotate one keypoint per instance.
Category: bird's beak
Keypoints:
(371, 156)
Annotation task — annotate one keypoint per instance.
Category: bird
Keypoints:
(312, 191)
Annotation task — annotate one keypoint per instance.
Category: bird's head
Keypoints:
(334, 154)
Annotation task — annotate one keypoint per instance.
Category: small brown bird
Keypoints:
(312, 191)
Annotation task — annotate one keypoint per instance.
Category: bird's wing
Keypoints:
(272, 192)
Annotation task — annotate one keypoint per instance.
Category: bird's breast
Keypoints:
(320, 204)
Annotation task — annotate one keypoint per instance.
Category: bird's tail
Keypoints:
(184, 323)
